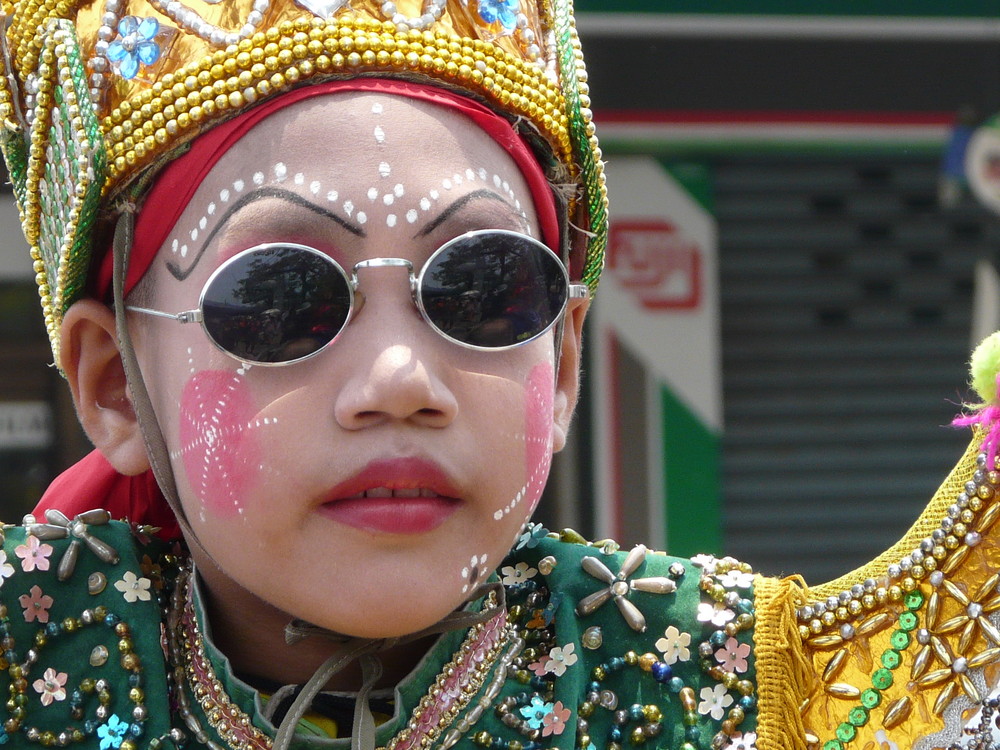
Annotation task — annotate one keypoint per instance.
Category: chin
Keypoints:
(385, 613)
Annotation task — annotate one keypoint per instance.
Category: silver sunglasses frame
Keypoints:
(573, 291)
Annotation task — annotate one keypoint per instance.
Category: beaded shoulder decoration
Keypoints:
(906, 650)
(94, 92)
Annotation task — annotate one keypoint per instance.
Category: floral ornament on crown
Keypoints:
(134, 46)
(504, 12)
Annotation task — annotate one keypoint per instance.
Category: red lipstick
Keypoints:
(393, 496)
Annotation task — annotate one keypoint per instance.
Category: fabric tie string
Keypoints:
(366, 650)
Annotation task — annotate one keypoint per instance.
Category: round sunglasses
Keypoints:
(281, 302)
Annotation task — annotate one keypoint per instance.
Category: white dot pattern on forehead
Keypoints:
(412, 213)
(379, 135)
(384, 170)
(377, 108)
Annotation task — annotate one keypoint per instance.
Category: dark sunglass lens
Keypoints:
(493, 289)
(279, 303)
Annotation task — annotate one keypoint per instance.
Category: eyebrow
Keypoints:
(452, 209)
(260, 194)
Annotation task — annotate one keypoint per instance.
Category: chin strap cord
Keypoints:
(365, 650)
(152, 435)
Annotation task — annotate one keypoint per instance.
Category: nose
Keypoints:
(397, 371)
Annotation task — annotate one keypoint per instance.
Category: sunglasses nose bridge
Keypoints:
(382, 263)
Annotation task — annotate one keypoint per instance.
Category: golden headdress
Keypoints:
(95, 94)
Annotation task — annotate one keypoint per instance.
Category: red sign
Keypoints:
(657, 262)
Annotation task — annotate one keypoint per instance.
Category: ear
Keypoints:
(90, 360)
(568, 381)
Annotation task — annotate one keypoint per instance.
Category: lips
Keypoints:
(394, 496)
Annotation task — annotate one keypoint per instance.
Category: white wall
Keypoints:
(15, 263)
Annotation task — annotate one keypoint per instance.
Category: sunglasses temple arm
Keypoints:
(188, 316)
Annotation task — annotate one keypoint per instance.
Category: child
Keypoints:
(308, 266)
(322, 269)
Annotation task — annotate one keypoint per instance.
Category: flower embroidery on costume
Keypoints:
(135, 45)
(6, 569)
(736, 578)
(36, 605)
(733, 656)
(619, 587)
(707, 563)
(554, 722)
(530, 537)
(715, 612)
(742, 741)
(52, 686)
(674, 645)
(535, 712)
(504, 11)
(556, 661)
(34, 554)
(134, 588)
(515, 574)
(113, 733)
(715, 701)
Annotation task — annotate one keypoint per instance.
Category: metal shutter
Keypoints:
(846, 297)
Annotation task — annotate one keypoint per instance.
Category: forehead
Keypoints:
(354, 135)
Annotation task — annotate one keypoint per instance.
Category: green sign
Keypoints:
(887, 8)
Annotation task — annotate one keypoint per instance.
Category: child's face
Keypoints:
(270, 460)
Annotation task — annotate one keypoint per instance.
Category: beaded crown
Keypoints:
(96, 93)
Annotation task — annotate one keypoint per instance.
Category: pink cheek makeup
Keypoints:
(220, 446)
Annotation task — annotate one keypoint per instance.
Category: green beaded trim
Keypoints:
(580, 133)
(73, 174)
(882, 678)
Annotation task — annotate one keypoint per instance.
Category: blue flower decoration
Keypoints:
(504, 11)
(4, 737)
(533, 532)
(134, 46)
(535, 713)
(113, 733)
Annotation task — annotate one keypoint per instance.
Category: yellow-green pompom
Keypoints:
(984, 367)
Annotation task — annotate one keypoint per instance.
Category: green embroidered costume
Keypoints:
(595, 648)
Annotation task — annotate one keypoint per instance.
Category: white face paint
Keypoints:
(272, 446)
(383, 189)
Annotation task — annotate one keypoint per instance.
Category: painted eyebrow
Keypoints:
(458, 205)
(260, 194)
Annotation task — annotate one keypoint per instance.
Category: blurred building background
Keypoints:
(779, 343)
(840, 263)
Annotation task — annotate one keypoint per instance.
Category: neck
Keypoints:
(256, 646)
